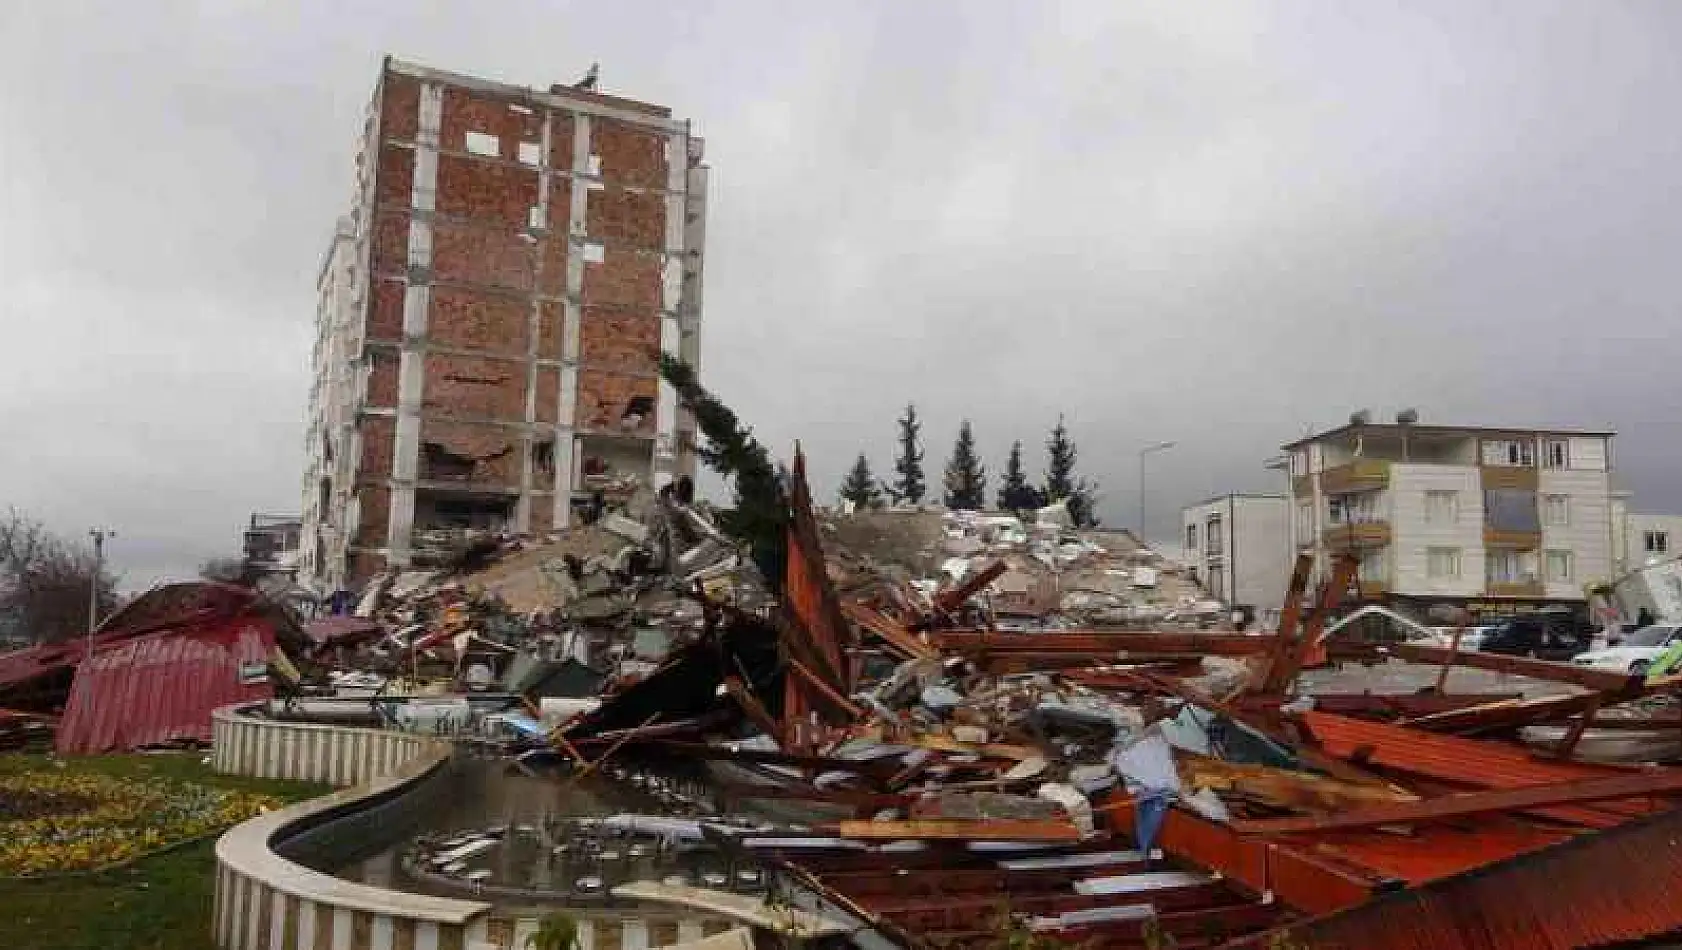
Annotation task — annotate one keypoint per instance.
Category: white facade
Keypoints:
(1240, 547)
(1460, 513)
(1646, 539)
(330, 439)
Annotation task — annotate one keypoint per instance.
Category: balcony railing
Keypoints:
(1518, 540)
(1359, 534)
(1358, 475)
(1528, 587)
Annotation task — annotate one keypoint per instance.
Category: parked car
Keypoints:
(1635, 652)
(1543, 636)
(1471, 639)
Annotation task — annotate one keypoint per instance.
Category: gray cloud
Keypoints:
(1215, 223)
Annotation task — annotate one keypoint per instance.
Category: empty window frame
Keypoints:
(1656, 542)
(1556, 453)
(483, 143)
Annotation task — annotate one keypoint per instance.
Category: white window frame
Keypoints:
(1556, 510)
(1442, 507)
(1567, 571)
(1191, 537)
(1509, 453)
(1556, 453)
(483, 143)
(531, 153)
(1655, 542)
(1449, 569)
(1515, 576)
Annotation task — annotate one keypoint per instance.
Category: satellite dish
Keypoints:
(1407, 417)
(1360, 417)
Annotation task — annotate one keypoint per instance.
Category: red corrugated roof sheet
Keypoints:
(162, 688)
(1466, 762)
(1609, 887)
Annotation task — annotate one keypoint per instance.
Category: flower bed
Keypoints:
(71, 820)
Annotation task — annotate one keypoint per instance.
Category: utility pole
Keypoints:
(1147, 450)
(98, 535)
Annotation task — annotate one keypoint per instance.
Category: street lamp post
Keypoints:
(1147, 450)
(98, 535)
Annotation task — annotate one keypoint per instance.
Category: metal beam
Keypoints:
(1522, 666)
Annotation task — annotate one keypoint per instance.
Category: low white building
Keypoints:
(1240, 547)
(1641, 539)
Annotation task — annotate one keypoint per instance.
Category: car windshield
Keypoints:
(1648, 637)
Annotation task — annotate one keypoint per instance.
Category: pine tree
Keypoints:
(909, 486)
(860, 486)
(1059, 464)
(1016, 494)
(966, 477)
(1061, 483)
(760, 516)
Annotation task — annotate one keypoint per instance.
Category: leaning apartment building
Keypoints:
(492, 312)
(1495, 520)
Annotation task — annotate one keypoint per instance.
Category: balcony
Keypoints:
(1359, 475)
(1508, 477)
(1362, 534)
(1517, 540)
(1374, 589)
(1529, 587)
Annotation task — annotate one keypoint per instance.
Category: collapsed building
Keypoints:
(492, 313)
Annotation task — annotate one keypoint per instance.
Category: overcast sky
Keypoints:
(1215, 223)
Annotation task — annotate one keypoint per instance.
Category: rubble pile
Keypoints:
(931, 742)
(614, 596)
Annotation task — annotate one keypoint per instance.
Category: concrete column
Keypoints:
(671, 305)
(566, 460)
(417, 299)
(538, 224)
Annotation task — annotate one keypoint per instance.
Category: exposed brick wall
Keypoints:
(385, 311)
(627, 277)
(362, 566)
(562, 129)
(376, 515)
(469, 112)
(550, 325)
(610, 338)
(494, 450)
(548, 393)
(474, 320)
(377, 435)
(630, 156)
(382, 376)
(487, 190)
(483, 255)
(400, 107)
(616, 215)
(473, 387)
(391, 242)
(602, 398)
(395, 182)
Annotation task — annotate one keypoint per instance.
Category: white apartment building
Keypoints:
(1639, 540)
(1483, 517)
(1240, 547)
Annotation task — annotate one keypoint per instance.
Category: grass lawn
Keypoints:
(158, 903)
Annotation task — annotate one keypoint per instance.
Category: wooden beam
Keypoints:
(1523, 798)
(1290, 619)
(963, 829)
(950, 600)
(817, 682)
